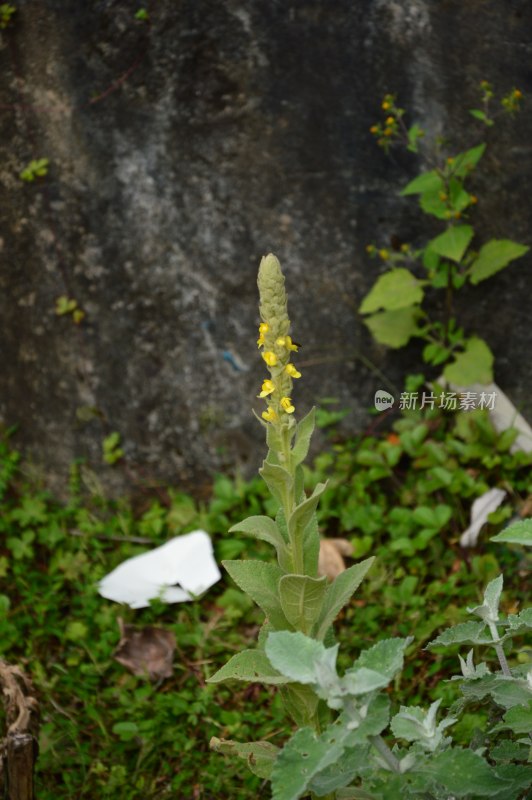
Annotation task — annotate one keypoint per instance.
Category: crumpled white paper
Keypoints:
(186, 560)
(480, 510)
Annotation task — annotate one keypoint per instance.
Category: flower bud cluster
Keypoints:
(275, 342)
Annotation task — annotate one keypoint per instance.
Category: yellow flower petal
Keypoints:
(267, 388)
(292, 371)
(263, 328)
(269, 415)
(270, 358)
(286, 404)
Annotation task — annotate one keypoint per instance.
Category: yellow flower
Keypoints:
(286, 404)
(388, 131)
(269, 415)
(473, 199)
(384, 254)
(263, 328)
(374, 129)
(385, 106)
(292, 371)
(270, 358)
(286, 341)
(390, 120)
(267, 388)
(518, 94)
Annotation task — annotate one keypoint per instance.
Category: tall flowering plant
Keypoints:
(338, 751)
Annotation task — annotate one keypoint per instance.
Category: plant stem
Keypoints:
(380, 745)
(498, 649)
(377, 741)
(290, 500)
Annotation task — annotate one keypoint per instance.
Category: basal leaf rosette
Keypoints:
(276, 345)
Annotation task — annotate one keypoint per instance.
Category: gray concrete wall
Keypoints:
(184, 149)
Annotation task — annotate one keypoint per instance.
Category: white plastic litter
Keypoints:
(480, 510)
(175, 572)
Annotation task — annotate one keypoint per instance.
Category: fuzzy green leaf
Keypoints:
(300, 658)
(518, 719)
(494, 256)
(474, 365)
(259, 756)
(260, 580)
(394, 328)
(489, 610)
(302, 599)
(505, 691)
(464, 633)
(464, 773)
(249, 665)
(303, 757)
(311, 548)
(519, 533)
(386, 657)
(300, 701)
(303, 513)
(260, 528)
(517, 623)
(304, 431)
(276, 478)
(395, 289)
(453, 242)
(342, 772)
(339, 592)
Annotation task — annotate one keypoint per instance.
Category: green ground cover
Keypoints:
(403, 496)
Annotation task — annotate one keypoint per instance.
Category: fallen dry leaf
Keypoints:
(146, 651)
(331, 562)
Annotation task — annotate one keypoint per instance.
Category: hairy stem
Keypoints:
(498, 649)
(377, 741)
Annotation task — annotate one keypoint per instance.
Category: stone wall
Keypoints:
(183, 149)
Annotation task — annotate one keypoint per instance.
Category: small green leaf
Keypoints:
(339, 592)
(276, 479)
(464, 163)
(259, 756)
(302, 600)
(267, 530)
(453, 242)
(489, 610)
(494, 256)
(481, 115)
(249, 665)
(395, 289)
(303, 513)
(126, 731)
(304, 431)
(426, 182)
(394, 328)
(518, 533)
(473, 365)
